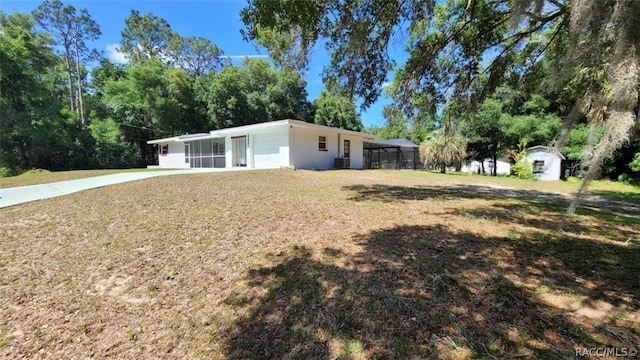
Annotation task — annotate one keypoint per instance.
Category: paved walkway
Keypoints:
(22, 194)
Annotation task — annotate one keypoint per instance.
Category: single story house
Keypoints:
(503, 166)
(546, 162)
(269, 145)
(391, 154)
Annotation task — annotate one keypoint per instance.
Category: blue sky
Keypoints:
(217, 20)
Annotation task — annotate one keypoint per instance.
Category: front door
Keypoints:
(347, 149)
(239, 150)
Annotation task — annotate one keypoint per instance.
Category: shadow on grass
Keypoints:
(555, 201)
(629, 197)
(429, 292)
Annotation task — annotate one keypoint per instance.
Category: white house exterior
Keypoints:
(546, 162)
(503, 166)
(268, 145)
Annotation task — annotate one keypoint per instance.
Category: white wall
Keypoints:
(552, 163)
(503, 168)
(268, 148)
(304, 148)
(306, 155)
(175, 158)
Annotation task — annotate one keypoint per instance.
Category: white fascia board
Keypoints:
(162, 141)
(303, 124)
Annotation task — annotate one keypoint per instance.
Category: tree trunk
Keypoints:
(494, 171)
(79, 85)
(70, 81)
(443, 169)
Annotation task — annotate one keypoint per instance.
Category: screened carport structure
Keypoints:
(391, 154)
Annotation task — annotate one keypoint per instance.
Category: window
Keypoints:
(538, 166)
(322, 143)
(218, 148)
(164, 149)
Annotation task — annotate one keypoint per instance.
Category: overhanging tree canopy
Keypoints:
(593, 47)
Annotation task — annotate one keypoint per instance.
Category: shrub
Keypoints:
(522, 167)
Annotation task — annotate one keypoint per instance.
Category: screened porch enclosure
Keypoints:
(205, 153)
(391, 154)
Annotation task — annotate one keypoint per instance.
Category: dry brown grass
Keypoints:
(302, 264)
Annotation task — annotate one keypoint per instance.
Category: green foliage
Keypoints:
(251, 94)
(336, 111)
(5, 172)
(635, 164)
(463, 51)
(71, 30)
(111, 149)
(576, 142)
(485, 131)
(145, 36)
(196, 55)
(522, 167)
(35, 132)
(440, 150)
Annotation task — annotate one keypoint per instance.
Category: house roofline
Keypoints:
(547, 149)
(233, 130)
(290, 122)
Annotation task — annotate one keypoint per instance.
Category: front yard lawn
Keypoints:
(327, 264)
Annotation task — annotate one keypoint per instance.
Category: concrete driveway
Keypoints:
(22, 194)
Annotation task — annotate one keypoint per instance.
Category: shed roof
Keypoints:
(546, 149)
(390, 143)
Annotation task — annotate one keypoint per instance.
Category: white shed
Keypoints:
(268, 145)
(546, 162)
(503, 166)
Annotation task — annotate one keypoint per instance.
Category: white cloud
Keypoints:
(386, 84)
(244, 56)
(115, 55)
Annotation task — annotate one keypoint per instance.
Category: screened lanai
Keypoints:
(205, 153)
(391, 154)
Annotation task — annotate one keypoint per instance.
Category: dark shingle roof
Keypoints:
(389, 143)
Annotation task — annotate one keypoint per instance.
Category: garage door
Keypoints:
(266, 151)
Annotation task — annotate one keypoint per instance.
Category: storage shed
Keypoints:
(546, 162)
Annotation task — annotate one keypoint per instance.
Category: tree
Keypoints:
(285, 48)
(441, 149)
(24, 99)
(593, 49)
(146, 37)
(84, 28)
(336, 111)
(151, 100)
(71, 30)
(253, 93)
(485, 132)
(196, 55)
